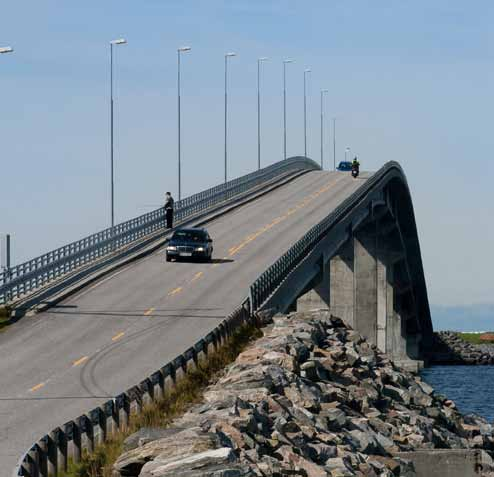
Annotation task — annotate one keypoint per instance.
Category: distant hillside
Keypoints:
(463, 318)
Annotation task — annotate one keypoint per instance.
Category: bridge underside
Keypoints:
(368, 271)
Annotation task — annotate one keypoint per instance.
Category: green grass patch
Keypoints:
(474, 338)
(188, 391)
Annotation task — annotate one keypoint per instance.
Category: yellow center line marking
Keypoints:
(118, 336)
(305, 201)
(149, 312)
(80, 361)
(175, 291)
(38, 386)
(197, 276)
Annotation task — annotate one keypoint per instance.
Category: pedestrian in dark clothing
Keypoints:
(169, 205)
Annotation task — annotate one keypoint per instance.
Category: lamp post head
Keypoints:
(229, 55)
(184, 49)
(308, 70)
(324, 91)
(287, 61)
(263, 58)
(120, 41)
(6, 49)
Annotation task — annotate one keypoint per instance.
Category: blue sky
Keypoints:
(411, 81)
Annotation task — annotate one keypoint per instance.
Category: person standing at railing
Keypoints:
(169, 206)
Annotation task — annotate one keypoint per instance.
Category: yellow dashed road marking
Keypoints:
(197, 276)
(80, 361)
(149, 312)
(306, 201)
(38, 386)
(175, 291)
(118, 336)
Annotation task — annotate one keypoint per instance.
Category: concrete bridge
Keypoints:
(106, 336)
(368, 271)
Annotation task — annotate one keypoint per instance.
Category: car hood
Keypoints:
(183, 243)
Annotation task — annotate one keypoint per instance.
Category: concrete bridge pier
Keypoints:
(365, 284)
(317, 297)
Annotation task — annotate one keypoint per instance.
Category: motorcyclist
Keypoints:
(355, 164)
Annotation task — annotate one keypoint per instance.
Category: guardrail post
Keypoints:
(43, 456)
(180, 368)
(210, 340)
(222, 333)
(110, 417)
(135, 403)
(190, 359)
(60, 442)
(96, 417)
(146, 390)
(157, 383)
(201, 350)
(30, 465)
(169, 378)
(86, 430)
(123, 411)
(51, 454)
(73, 436)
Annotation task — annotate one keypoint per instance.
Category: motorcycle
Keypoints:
(355, 172)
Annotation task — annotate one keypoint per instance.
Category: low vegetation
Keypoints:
(4, 317)
(478, 338)
(188, 391)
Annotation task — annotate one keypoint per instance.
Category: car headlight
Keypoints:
(199, 249)
(171, 247)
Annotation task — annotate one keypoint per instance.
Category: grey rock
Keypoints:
(313, 398)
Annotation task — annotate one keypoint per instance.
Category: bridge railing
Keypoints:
(272, 278)
(67, 444)
(27, 277)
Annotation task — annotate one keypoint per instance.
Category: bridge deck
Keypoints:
(66, 361)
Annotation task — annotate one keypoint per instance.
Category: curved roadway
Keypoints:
(61, 363)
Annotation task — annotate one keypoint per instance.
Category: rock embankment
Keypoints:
(311, 398)
(449, 348)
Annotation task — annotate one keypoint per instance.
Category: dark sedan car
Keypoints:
(193, 243)
(344, 166)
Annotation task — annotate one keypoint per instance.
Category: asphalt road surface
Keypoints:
(61, 363)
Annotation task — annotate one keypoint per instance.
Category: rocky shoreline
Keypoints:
(310, 398)
(449, 348)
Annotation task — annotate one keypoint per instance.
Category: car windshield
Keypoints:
(189, 236)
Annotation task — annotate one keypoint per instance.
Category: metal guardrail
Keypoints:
(272, 278)
(23, 279)
(51, 455)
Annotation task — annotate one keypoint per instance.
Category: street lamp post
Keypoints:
(120, 41)
(305, 110)
(323, 91)
(181, 50)
(347, 150)
(5, 239)
(334, 144)
(227, 55)
(259, 61)
(285, 62)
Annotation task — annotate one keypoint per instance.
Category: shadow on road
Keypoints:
(221, 260)
(158, 313)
